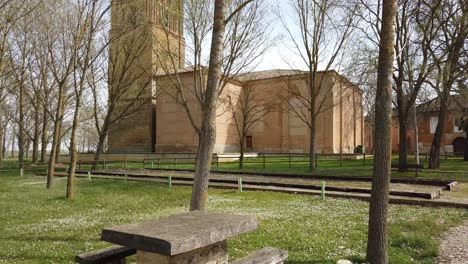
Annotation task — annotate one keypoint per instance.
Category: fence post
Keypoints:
(89, 176)
(217, 161)
(125, 164)
(157, 162)
(323, 191)
(289, 159)
(175, 160)
(316, 160)
(264, 161)
(341, 165)
(364, 153)
(169, 181)
(79, 164)
(427, 156)
(240, 184)
(445, 155)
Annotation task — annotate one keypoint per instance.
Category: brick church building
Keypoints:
(160, 123)
(453, 140)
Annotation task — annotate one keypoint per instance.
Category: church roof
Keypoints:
(455, 102)
(260, 75)
(269, 74)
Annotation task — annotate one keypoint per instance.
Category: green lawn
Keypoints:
(40, 226)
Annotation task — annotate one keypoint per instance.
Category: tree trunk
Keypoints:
(434, 158)
(208, 129)
(241, 158)
(416, 134)
(377, 244)
(100, 146)
(2, 137)
(4, 143)
(56, 136)
(13, 135)
(45, 124)
(21, 128)
(27, 148)
(35, 154)
(312, 157)
(313, 121)
(465, 154)
(59, 145)
(73, 152)
(403, 143)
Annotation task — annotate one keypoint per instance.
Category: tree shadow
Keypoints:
(39, 238)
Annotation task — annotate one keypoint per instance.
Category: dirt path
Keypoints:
(454, 247)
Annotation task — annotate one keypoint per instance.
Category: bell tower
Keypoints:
(146, 38)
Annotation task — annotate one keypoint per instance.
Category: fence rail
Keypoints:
(263, 160)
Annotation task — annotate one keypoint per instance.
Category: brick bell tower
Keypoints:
(146, 36)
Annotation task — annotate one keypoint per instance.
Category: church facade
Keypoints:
(160, 123)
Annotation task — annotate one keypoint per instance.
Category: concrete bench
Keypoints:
(194, 237)
(110, 255)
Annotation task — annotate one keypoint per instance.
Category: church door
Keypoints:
(249, 142)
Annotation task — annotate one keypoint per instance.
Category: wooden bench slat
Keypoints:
(109, 255)
(267, 255)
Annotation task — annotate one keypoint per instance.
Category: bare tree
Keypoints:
(325, 27)
(11, 11)
(20, 57)
(245, 42)
(210, 101)
(248, 107)
(238, 40)
(377, 243)
(91, 15)
(448, 50)
(414, 36)
(462, 113)
(63, 38)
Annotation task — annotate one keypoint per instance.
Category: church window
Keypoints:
(433, 123)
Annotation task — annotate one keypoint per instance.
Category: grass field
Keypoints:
(40, 226)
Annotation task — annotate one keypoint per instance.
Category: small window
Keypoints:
(433, 123)
(457, 128)
(249, 142)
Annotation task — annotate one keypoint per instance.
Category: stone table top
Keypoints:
(179, 233)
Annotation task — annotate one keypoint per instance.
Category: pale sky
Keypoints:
(280, 56)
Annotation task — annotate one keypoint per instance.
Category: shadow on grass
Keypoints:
(49, 239)
(35, 259)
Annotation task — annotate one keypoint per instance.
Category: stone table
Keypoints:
(194, 237)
